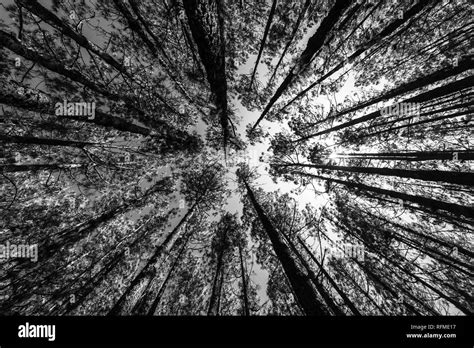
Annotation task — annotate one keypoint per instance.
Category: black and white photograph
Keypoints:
(285, 166)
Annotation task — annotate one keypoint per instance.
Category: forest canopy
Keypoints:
(218, 157)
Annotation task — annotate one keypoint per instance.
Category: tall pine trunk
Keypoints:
(299, 282)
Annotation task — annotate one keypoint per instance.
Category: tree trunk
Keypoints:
(101, 119)
(430, 203)
(164, 284)
(15, 168)
(206, 22)
(452, 177)
(300, 283)
(292, 36)
(319, 286)
(397, 264)
(148, 271)
(429, 95)
(364, 47)
(464, 65)
(244, 283)
(9, 41)
(176, 139)
(463, 155)
(16, 139)
(264, 39)
(216, 285)
(50, 18)
(314, 44)
(341, 293)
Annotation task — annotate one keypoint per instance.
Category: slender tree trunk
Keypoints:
(244, 283)
(9, 41)
(300, 283)
(89, 285)
(418, 279)
(16, 139)
(319, 286)
(292, 37)
(219, 298)
(346, 275)
(136, 26)
(410, 13)
(450, 261)
(419, 235)
(455, 103)
(100, 118)
(206, 22)
(397, 264)
(416, 244)
(148, 271)
(42, 12)
(429, 95)
(190, 42)
(215, 294)
(452, 177)
(69, 236)
(158, 44)
(341, 293)
(408, 126)
(464, 65)
(462, 155)
(313, 46)
(212, 300)
(432, 204)
(381, 282)
(164, 284)
(394, 293)
(15, 168)
(176, 139)
(264, 39)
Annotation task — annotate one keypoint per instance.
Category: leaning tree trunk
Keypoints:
(212, 310)
(426, 96)
(452, 177)
(292, 37)
(387, 31)
(431, 204)
(410, 273)
(69, 236)
(319, 286)
(464, 65)
(102, 119)
(414, 276)
(341, 293)
(140, 27)
(244, 283)
(15, 168)
(264, 39)
(7, 40)
(301, 285)
(17, 139)
(164, 284)
(49, 17)
(315, 42)
(462, 155)
(205, 19)
(148, 271)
